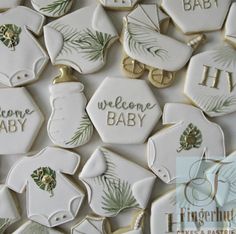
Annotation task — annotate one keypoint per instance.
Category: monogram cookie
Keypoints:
(83, 38)
(52, 8)
(186, 139)
(51, 198)
(115, 184)
(210, 81)
(24, 58)
(146, 47)
(193, 16)
(119, 4)
(20, 121)
(6, 4)
(69, 125)
(124, 111)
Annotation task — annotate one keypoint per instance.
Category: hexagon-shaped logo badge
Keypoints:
(124, 111)
(20, 121)
(193, 16)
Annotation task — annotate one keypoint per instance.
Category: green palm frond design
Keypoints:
(57, 8)
(117, 199)
(143, 40)
(4, 223)
(190, 138)
(45, 178)
(217, 104)
(83, 133)
(92, 44)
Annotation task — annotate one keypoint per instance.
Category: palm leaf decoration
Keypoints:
(4, 223)
(10, 35)
(92, 44)
(83, 133)
(45, 178)
(191, 138)
(143, 40)
(117, 199)
(57, 8)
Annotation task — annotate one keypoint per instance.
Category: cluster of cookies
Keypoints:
(189, 151)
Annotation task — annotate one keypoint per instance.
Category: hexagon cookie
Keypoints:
(20, 121)
(210, 81)
(124, 111)
(193, 16)
(119, 4)
(187, 139)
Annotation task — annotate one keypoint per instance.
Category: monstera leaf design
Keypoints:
(45, 178)
(191, 138)
(10, 35)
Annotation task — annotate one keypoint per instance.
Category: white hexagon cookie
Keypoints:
(193, 16)
(124, 111)
(20, 121)
(210, 81)
(119, 4)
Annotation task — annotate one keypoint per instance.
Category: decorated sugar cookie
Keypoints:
(52, 8)
(6, 4)
(20, 121)
(119, 4)
(24, 58)
(187, 140)
(51, 198)
(32, 227)
(114, 184)
(69, 125)
(92, 225)
(124, 111)
(146, 48)
(193, 16)
(210, 81)
(83, 38)
(230, 32)
(8, 211)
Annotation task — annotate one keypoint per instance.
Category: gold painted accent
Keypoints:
(137, 222)
(197, 41)
(65, 76)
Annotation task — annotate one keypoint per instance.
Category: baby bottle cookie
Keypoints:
(20, 121)
(124, 111)
(114, 184)
(8, 211)
(119, 4)
(187, 140)
(69, 125)
(51, 198)
(194, 16)
(83, 38)
(6, 4)
(24, 58)
(146, 48)
(52, 8)
(32, 227)
(210, 81)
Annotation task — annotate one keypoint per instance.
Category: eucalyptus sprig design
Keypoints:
(57, 8)
(92, 44)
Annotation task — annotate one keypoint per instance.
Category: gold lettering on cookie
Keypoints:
(192, 5)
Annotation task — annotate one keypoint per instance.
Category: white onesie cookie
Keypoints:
(187, 139)
(24, 58)
(51, 198)
(119, 4)
(83, 38)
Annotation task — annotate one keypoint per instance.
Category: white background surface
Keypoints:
(136, 153)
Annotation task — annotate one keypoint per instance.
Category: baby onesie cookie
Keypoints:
(52, 8)
(69, 125)
(210, 81)
(230, 32)
(24, 58)
(6, 4)
(32, 227)
(114, 184)
(124, 111)
(119, 4)
(83, 38)
(193, 16)
(8, 210)
(51, 198)
(187, 139)
(146, 48)
(20, 121)
(92, 225)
